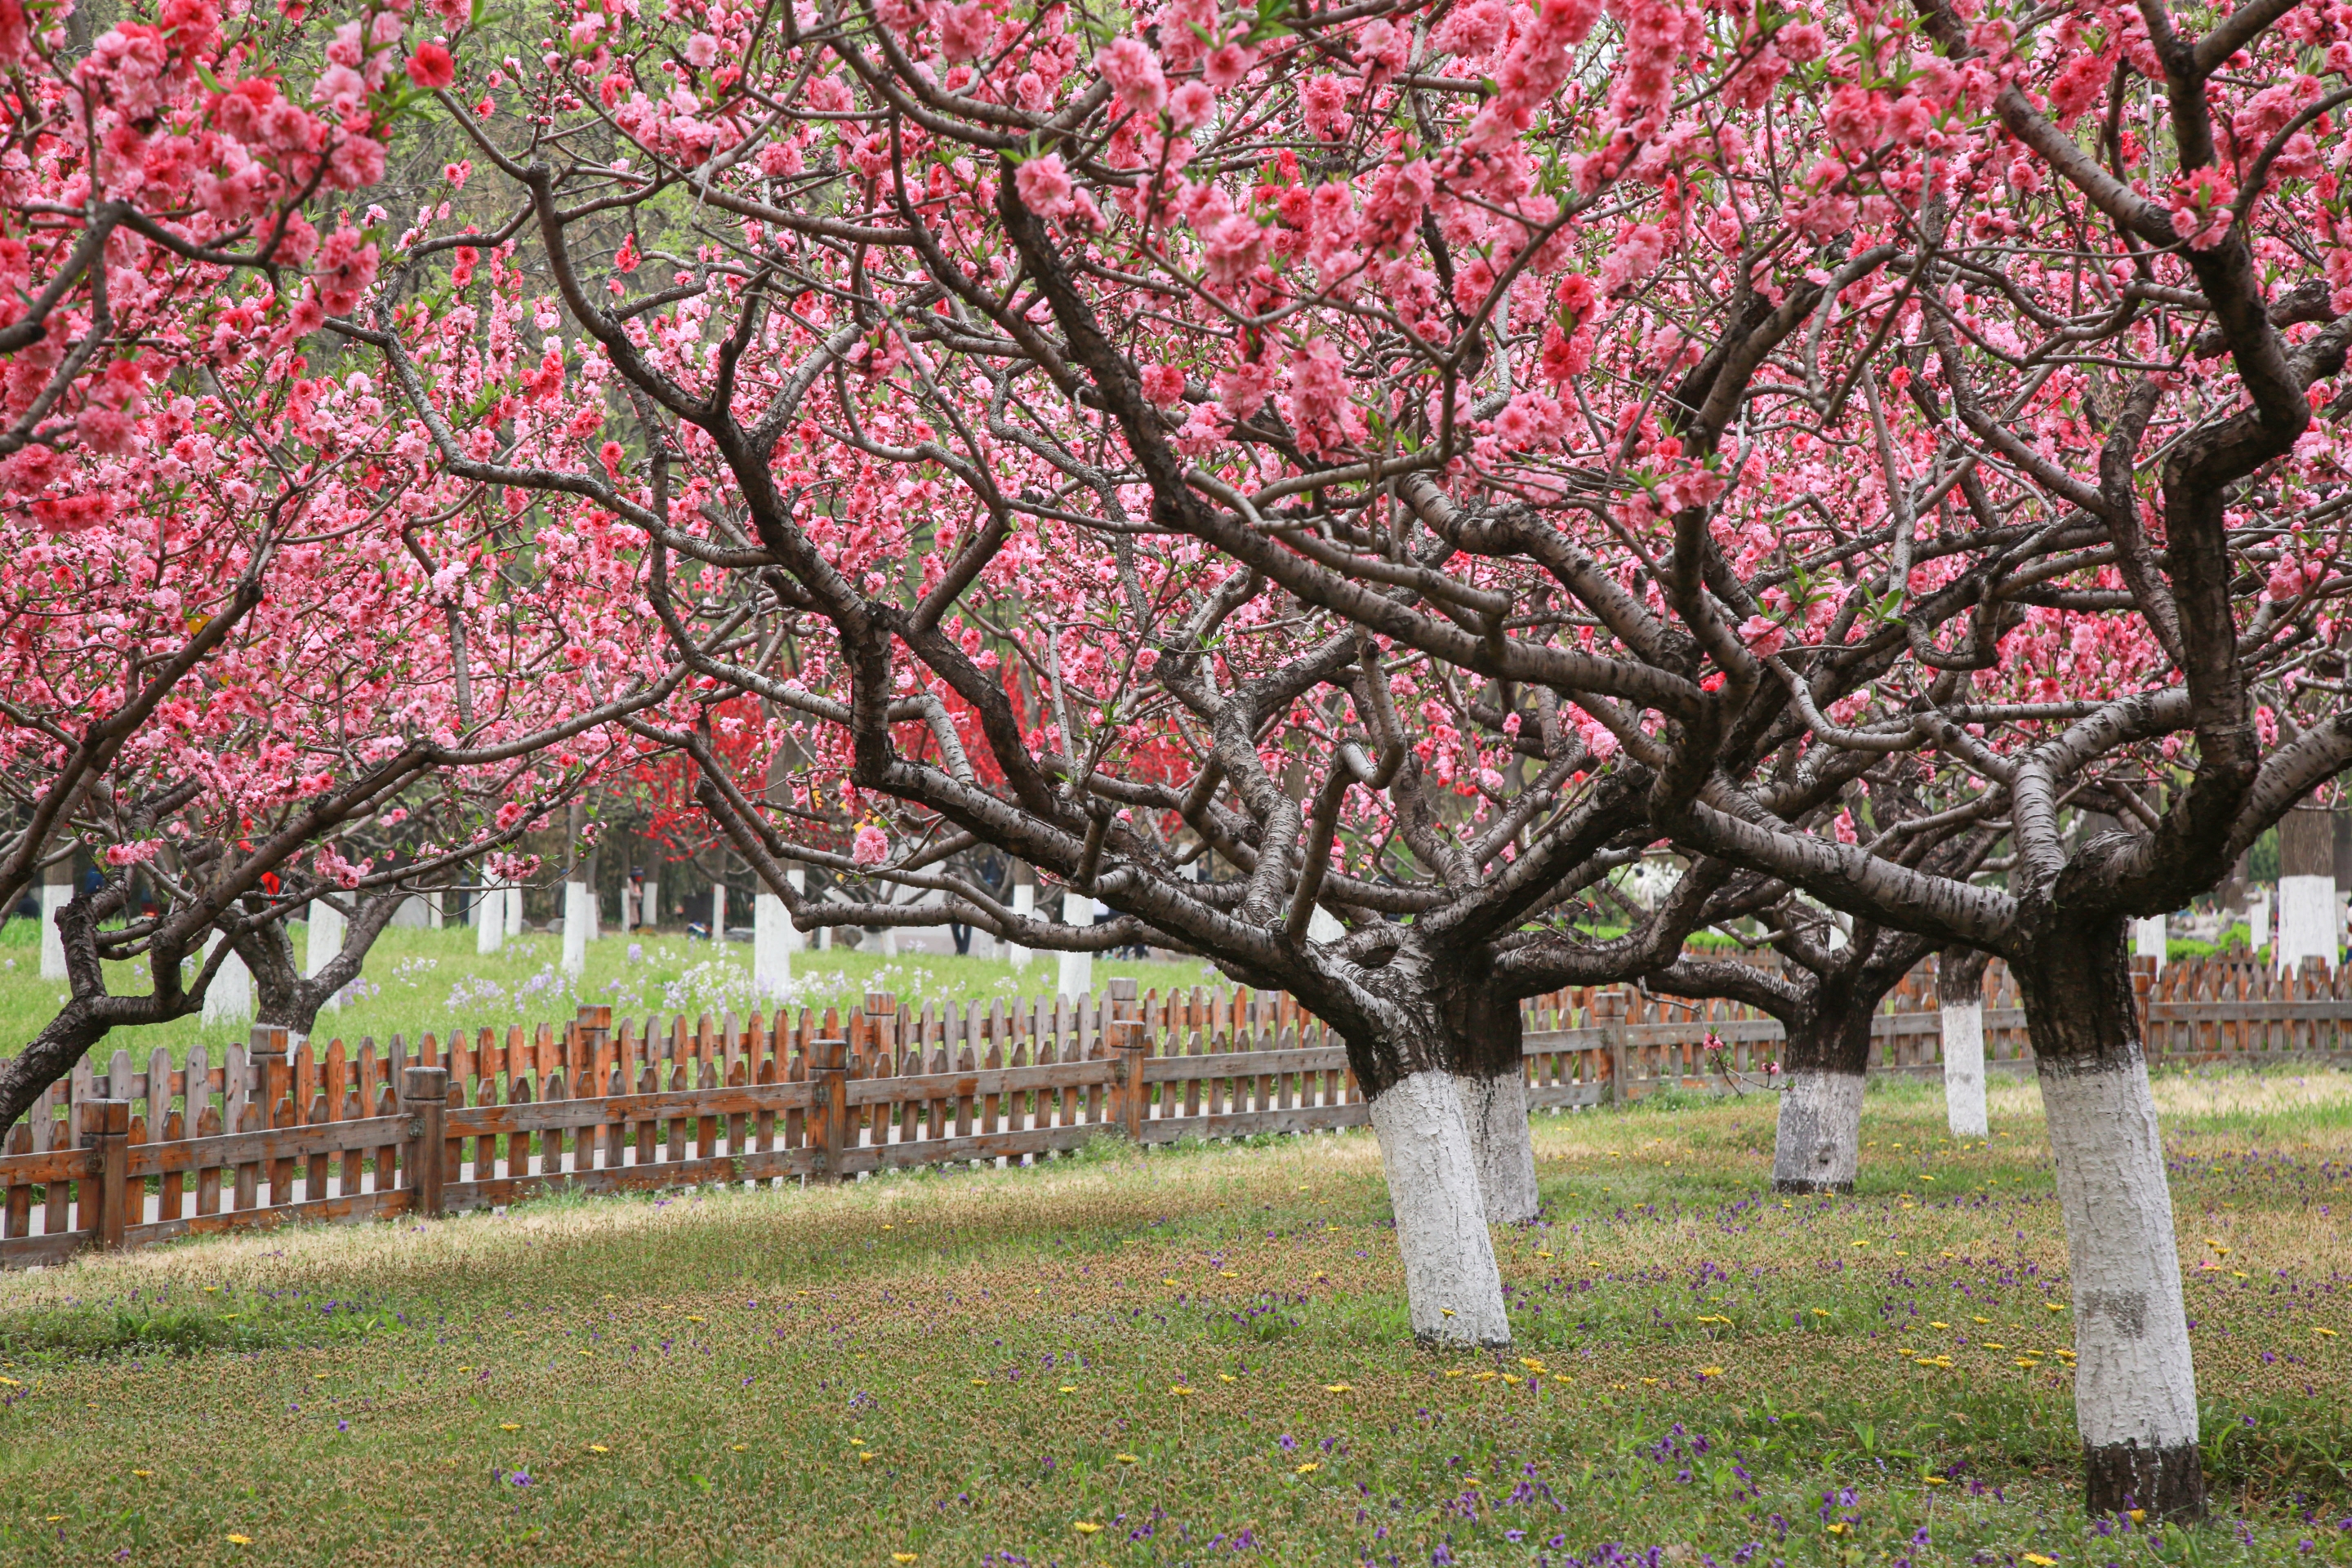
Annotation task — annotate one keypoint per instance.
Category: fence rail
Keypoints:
(116, 1157)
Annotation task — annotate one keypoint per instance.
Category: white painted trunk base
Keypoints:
(1451, 1284)
(1497, 1111)
(2134, 1382)
(1964, 1069)
(1818, 1144)
(2307, 922)
(1077, 972)
(579, 906)
(514, 912)
(55, 896)
(229, 999)
(489, 919)
(771, 947)
(650, 914)
(2258, 920)
(323, 942)
(2147, 940)
(718, 912)
(1024, 903)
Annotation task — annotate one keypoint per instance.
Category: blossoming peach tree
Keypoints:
(261, 648)
(1417, 457)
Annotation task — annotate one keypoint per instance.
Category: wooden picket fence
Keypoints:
(114, 1157)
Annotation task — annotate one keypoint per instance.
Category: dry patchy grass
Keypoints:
(1202, 1353)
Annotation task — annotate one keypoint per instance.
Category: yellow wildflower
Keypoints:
(1338, 1388)
(1309, 1467)
(1086, 1527)
(235, 1540)
(1127, 1459)
(598, 1448)
(509, 1427)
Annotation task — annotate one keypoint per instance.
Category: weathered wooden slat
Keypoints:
(976, 1146)
(1245, 1123)
(53, 1246)
(270, 1146)
(347, 1210)
(47, 1165)
(1228, 1064)
(483, 1121)
(978, 1082)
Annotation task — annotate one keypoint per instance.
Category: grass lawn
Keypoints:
(418, 981)
(1200, 1356)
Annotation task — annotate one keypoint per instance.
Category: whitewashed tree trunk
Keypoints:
(1451, 1288)
(1960, 996)
(323, 943)
(1495, 1107)
(650, 915)
(772, 953)
(56, 892)
(2135, 1383)
(1077, 969)
(579, 912)
(514, 911)
(1964, 1069)
(229, 1000)
(2148, 940)
(2307, 922)
(489, 919)
(1818, 1145)
(1024, 902)
(717, 912)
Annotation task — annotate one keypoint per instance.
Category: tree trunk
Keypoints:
(2306, 911)
(1959, 992)
(1491, 1078)
(1818, 1145)
(1452, 1286)
(2135, 1385)
(1412, 1061)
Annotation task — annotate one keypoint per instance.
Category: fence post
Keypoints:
(424, 1101)
(106, 1131)
(268, 1056)
(1609, 1008)
(1129, 1042)
(829, 1123)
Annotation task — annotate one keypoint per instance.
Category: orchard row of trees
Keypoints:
(1416, 457)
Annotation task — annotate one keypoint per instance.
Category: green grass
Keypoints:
(1203, 1351)
(416, 981)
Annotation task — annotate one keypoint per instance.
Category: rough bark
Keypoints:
(1481, 1030)
(2306, 913)
(283, 995)
(1817, 1147)
(2135, 1387)
(1452, 1289)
